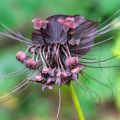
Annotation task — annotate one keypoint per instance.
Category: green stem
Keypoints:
(76, 102)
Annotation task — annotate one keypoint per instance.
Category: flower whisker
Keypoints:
(98, 43)
(89, 90)
(101, 61)
(18, 39)
(117, 12)
(13, 91)
(97, 81)
(14, 33)
(105, 29)
(13, 74)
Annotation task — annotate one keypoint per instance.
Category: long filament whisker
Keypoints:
(87, 88)
(101, 60)
(95, 44)
(109, 18)
(11, 31)
(83, 73)
(106, 27)
(10, 36)
(2, 97)
(12, 73)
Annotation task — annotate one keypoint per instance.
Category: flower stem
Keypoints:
(76, 102)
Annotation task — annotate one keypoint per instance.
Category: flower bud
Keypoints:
(21, 56)
(31, 64)
(71, 61)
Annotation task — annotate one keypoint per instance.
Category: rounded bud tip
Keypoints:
(21, 56)
(71, 61)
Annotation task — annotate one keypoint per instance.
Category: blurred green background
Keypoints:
(32, 103)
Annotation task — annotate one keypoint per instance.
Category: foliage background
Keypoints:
(33, 104)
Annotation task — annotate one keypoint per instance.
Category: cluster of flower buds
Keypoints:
(27, 61)
(48, 76)
(57, 43)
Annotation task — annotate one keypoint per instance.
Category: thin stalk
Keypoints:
(76, 102)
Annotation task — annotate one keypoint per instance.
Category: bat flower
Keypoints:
(56, 48)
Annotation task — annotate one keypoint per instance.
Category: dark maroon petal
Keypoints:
(84, 36)
(79, 19)
(55, 31)
(37, 37)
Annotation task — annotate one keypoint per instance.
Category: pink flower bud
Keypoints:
(46, 70)
(76, 70)
(31, 64)
(38, 77)
(21, 56)
(71, 61)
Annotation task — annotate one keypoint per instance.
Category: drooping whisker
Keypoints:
(101, 61)
(13, 91)
(14, 33)
(97, 81)
(20, 83)
(87, 59)
(90, 91)
(93, 44)
(94, 67)
(18, 87)
(12, 73)
(23, 101)
(7, 98)
(10, 36)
